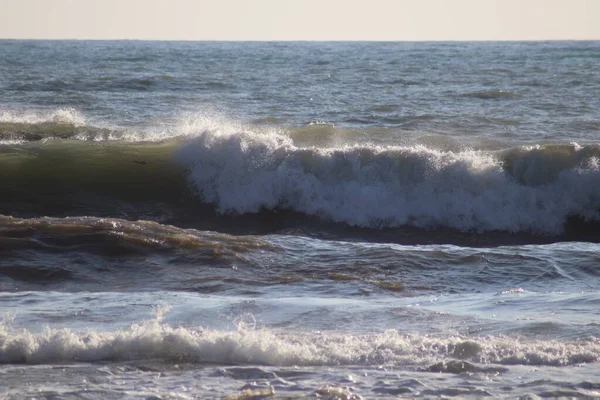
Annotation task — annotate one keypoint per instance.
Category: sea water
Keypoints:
(299, 220)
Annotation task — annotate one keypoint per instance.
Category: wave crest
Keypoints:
(534, 190)
(153, 340)
(67, 116)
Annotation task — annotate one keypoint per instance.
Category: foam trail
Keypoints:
(534, 190)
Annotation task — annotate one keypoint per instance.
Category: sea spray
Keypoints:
(394, 186)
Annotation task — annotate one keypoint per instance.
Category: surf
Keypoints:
(155, 340)
(525, 189)
(213, 168)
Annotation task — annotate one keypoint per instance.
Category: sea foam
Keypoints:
(152, 340)
(536, 189)
(68, 116)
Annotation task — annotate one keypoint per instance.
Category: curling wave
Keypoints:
(324, 172)
(526, 189)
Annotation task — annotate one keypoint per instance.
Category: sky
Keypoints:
(301, 19)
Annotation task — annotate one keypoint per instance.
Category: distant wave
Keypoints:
(66, 116)
(117, 83)
(19, 127)
(63, 123)
(492, 94)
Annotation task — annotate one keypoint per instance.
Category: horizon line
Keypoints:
(292, 40)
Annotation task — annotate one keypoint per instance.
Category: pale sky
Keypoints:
(301, 19)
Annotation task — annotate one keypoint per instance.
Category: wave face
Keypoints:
(60, 165)
(79, 177)
(532, 189)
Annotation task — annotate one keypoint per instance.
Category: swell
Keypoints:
(148, 234)
(91, 253)
(144, 83)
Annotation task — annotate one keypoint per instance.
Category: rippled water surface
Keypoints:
(299, 220)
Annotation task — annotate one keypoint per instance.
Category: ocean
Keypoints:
(289, 220)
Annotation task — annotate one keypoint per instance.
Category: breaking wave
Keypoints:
(334, 174)
(19, 127)
(66, 116)
(533, 189)
(152, 340)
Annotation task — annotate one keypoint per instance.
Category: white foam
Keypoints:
(59, 116)
(11, 142)
(184, 126)
(242, 171)
(153, 340)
